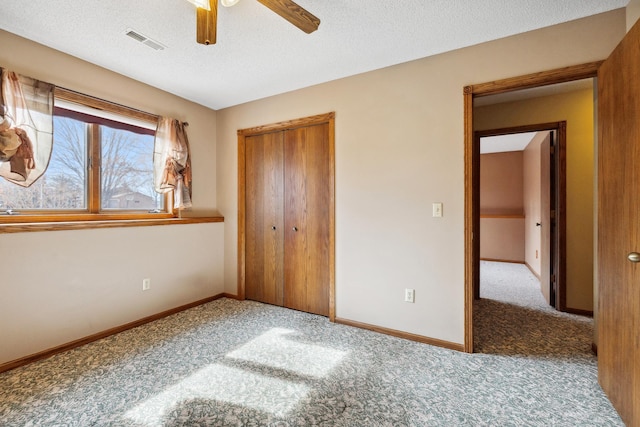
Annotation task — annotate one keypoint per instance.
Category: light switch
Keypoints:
(437, 210)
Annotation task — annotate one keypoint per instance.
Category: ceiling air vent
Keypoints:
(144, 39)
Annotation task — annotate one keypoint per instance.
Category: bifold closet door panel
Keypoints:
(306, 212)
(264, 225)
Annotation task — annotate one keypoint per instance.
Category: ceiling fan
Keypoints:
(207, 16)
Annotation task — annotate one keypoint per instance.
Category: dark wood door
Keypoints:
(264, 222)
(307, 212)
(475, 196)
(619, 227)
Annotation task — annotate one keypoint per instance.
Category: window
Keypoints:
(101, 165)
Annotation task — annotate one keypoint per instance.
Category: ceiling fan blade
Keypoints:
(293, 13)
(206, 23)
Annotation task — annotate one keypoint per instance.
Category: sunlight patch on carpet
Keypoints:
(276, 348)
(224, 384)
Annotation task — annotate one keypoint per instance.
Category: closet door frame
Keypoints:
(328, 118)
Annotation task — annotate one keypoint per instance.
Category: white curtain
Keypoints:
(26, 127)
(172, 162)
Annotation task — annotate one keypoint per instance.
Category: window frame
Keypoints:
(92, 212)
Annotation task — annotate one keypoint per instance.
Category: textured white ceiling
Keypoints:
(259, 54)
(503, 143)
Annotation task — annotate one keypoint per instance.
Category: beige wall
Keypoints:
(501, 193)
(64, 285)
(60, 286)
(577, 109)
(502, 239)
(633, 13)
(501, 183)
(399, 148)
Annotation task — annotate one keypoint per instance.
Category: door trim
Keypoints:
(472, 169)
(328, 118)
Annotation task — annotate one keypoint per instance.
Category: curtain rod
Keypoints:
(102, 104)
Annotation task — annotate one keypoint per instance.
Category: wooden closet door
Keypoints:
(264, 225)
(307, 211)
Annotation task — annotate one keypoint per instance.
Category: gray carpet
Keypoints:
(249, 364)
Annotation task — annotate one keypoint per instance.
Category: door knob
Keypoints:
(295, 228)
(634, 257)
(538, 224)
(273, 227)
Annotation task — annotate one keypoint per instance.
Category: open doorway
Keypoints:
(522, 187)
(516, 87)
(523, 203)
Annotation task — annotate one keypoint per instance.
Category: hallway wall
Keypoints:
(501, 207)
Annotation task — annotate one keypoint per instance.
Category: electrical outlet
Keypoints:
(409, 295)
(146, 284)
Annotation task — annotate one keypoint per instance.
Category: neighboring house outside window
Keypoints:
(131, 200)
